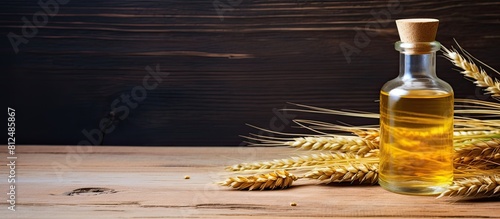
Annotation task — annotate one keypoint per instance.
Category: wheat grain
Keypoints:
(471, 70)
(374, 153)
(278, 179)
(371, 135)
(474, 187)
(300, 161)
(352, 172)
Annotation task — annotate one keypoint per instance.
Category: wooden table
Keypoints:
(148, 182)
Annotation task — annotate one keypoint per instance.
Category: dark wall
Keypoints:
(227, 65)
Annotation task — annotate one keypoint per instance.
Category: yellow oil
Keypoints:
(416, 141)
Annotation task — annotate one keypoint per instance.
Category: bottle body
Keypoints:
(416, 127)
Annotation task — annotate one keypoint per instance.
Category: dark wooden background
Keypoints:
(223, 73)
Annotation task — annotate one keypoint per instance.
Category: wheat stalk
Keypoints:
(471, 70)
(277, 179)
(474, 187)
(353, 172)
(300, 161)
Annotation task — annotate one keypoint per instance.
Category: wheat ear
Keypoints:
(478, 151)
(471, 70)
(300, 161)
(278, 179)
(375, 135)
(351, 144)
(474, 187)
(352, 172)
(461, 135)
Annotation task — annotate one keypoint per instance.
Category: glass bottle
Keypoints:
(416, 121)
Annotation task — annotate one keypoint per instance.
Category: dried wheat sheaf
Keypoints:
(349, 154)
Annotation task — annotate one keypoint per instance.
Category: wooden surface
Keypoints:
(149, 183)
(223, 73)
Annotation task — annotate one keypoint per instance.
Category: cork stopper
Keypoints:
(419, 33)
(417, 29)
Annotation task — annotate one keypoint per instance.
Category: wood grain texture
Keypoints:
(149, 183)
(223, 73)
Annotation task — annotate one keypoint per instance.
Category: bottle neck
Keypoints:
(417, 65)
(417, 60)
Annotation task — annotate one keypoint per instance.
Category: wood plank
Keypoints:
(149, 183)
(223, 73)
